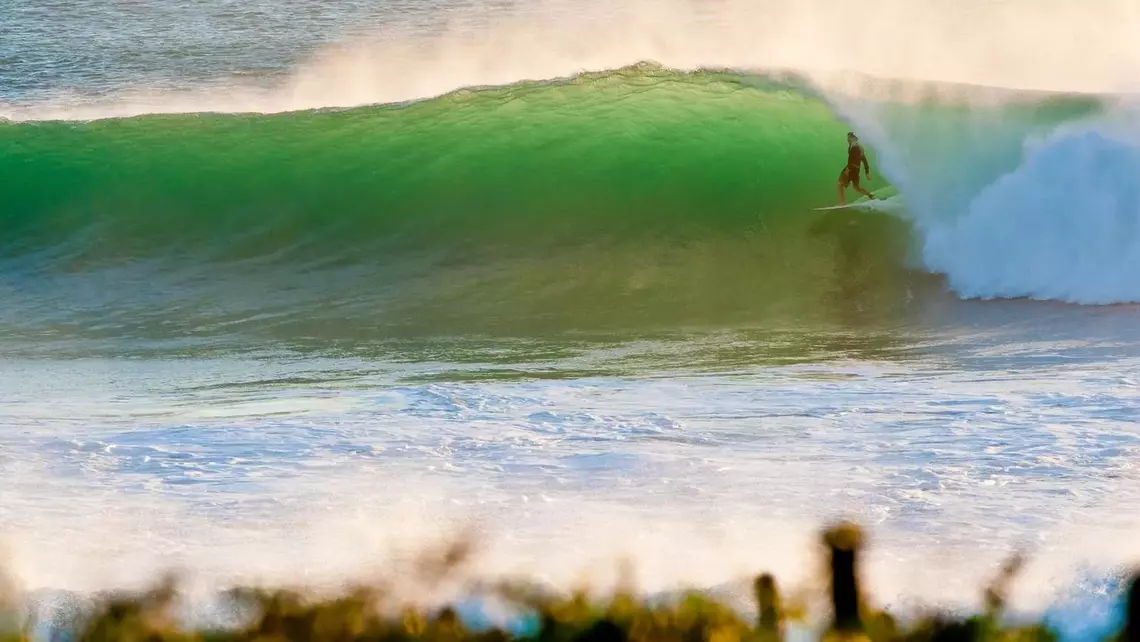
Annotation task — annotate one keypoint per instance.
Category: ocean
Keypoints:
(292, 288)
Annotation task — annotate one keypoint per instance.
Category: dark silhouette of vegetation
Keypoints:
(373, 614)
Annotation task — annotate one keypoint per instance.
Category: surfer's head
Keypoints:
(852, 138)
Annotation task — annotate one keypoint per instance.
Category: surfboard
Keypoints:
(883, 200)
(863, 204)
(889, 204)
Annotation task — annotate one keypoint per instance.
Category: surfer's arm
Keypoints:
(867, 165)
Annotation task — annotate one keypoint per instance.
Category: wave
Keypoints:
(634, 198)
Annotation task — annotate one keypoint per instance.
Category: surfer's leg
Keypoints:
(840, 185)
(859, 188)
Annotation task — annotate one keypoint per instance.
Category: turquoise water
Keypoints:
(289, 285)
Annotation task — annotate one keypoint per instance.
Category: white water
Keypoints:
(1065, 225)
(319, 470)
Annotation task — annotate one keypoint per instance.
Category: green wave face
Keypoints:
(629, 200)
(650, 148)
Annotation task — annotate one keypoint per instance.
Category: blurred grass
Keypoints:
(374, 614)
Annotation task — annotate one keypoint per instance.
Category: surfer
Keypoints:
(850, 173)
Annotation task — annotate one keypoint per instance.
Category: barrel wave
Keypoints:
(638, 199)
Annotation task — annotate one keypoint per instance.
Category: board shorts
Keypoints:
(850, 174)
